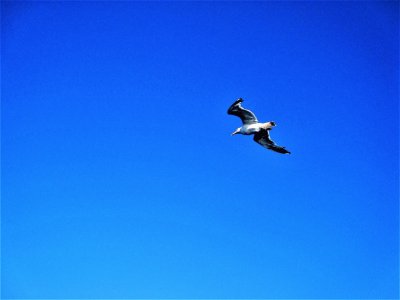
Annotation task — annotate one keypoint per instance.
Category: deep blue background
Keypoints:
(120, 177)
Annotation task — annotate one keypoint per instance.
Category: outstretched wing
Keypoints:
(279, 149)
(262, 137)
(245, 115)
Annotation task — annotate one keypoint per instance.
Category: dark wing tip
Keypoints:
(240, 100)
(233, 106)
(278, 149)
(287, 151)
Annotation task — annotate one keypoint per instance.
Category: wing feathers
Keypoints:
(264, 140)
(247, 116)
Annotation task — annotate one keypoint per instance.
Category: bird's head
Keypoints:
(236, 131)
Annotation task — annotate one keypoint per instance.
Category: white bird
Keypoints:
(252, 126)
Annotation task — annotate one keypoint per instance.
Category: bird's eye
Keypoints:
(273, 123)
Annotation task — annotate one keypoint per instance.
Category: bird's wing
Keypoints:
(245, 115)
(262, 137)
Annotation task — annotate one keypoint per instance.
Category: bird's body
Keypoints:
(252, 126)
(248, 129)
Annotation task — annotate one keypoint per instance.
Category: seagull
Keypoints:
(252, 126)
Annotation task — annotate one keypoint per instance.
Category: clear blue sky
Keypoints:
(119, 175)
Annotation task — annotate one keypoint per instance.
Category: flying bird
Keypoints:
(252, 126)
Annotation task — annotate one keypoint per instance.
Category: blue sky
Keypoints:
(119, 175)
